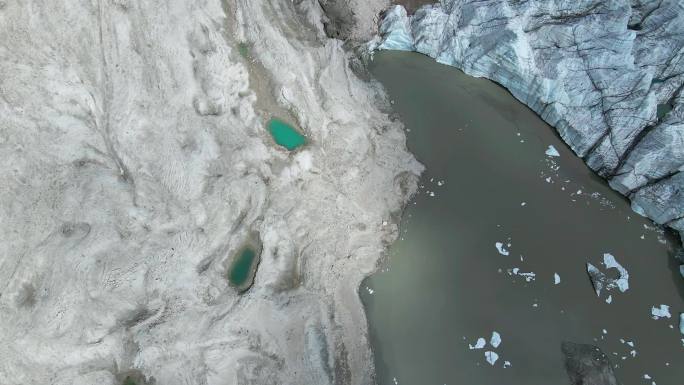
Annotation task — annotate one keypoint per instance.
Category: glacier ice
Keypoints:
(139, 165)
(397, 31)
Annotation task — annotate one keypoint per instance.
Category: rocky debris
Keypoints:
(607, 74)
(354, 20)
(587, 365)
(137, 164)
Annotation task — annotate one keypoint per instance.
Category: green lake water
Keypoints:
(489, 182)
(241, 271)
(285, 135)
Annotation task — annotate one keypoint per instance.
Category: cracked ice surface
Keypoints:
(138, 163)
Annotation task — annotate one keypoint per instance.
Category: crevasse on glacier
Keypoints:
(607, 74)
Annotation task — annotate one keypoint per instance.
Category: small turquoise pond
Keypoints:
(285, 135)
(241, 273)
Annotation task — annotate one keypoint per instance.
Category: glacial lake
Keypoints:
(285, 135)
(242, 270)
(489, 180)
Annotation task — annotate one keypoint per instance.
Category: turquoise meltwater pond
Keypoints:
(285, 135)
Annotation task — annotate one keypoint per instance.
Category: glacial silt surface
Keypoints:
(498, 240)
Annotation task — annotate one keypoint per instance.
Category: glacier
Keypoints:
(136, 163)
(608, 75)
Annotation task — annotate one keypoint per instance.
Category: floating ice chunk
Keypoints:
(597, 278)
(660, 312)
(633, 353)
(548, 180)
(523, 203)
(491, 357)
(630, 343)
(479, 344)
(601, 281)
(605, 331)
(495, 341)
(501, 249)
(506, 364)
(529, 277)
(556, 278)
(681, 270)
(647, 377)
(623, 280)
(681, 323)
(609, 299)
(551, 151)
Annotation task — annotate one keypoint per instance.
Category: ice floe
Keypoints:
(551, 151)
(501, 248)
(601, 281)
(481, 342)
(556, 279)
(663, 311)
(491, 357)
(495, 341)
(529, 276)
